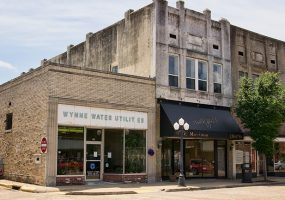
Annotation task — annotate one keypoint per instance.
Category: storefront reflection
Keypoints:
(199, 158)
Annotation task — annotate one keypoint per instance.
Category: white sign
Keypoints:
(100, 117)
(239, 157)
(109, 155)
(95, 154)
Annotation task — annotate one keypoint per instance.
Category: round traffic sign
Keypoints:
(44, 145)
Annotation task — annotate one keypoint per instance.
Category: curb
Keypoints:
(36, 189)
(101, 193)
(26, 188)
(222, 186)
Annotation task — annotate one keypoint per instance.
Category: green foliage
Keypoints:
(261, 108)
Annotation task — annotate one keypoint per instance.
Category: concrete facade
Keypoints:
(195, 35)
(127, 44)
(141, 43)
(253, 54)
(34, 99)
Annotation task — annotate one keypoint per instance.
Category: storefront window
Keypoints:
(70, 153)
(94, 135)
(114, 151)
(199, 158)
(135, 152)
(242, 155)
(279, 163)
(166, 158)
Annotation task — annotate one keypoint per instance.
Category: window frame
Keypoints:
(254, 76)
(207, 78)
(196, 78)
(9, 122)
(242, 74)
(214, 82)
(191, 78)
(125, 133)
(176, 57)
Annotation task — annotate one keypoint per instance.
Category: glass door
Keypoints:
(93, 161)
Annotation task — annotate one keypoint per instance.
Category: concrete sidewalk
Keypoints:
(105, 188)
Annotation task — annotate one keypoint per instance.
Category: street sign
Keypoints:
(44, 145)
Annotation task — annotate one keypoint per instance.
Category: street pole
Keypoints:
(181, 179)
(181, 127)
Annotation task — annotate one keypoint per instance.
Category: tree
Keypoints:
(261, 109)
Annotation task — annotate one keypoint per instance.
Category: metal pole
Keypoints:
(181, 179)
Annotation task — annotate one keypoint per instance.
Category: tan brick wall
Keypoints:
(105, 88)
(28, 97)
(34, 97)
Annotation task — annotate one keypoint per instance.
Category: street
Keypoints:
(240, 193)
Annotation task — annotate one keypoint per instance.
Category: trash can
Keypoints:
(1, 169)
(246, 173)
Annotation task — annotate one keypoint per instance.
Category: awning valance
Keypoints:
(204, 122)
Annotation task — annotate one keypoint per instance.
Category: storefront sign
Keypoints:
(192, 134)
(100, 117)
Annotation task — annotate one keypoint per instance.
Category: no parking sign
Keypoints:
(44, 145)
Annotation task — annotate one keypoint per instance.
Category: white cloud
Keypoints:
(6, 65)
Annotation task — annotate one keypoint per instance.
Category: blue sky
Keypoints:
(31, 30)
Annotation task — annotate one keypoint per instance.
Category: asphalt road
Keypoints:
(276, 192)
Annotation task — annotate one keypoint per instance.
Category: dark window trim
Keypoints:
(9, 122)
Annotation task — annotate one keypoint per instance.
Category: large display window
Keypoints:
(199, 158)
(125, 151)
(70, 154)
(135, 152)
(244, 153)
(202, 158)
(114, 148)
(279, 157)
(276, 163)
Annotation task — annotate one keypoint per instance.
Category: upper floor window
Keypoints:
(255, 76)
(173, 70)
(115, 69)
(242, 74)
(196, 75)
(202, 76)
(9, 121)
(190, 74)
(217, 79)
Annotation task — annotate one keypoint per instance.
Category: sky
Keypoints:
(31, 30)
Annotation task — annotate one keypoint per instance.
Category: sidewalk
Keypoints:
(105, 188)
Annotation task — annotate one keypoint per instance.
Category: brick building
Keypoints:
(105, 116)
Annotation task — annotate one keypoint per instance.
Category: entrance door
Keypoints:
(93, 161)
